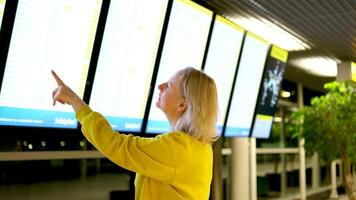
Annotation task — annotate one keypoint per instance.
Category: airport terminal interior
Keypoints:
(269, 60)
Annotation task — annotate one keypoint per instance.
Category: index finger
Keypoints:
(58, 80)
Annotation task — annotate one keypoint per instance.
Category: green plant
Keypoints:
(329, 127)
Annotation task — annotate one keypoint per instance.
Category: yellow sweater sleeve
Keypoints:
(151, 157)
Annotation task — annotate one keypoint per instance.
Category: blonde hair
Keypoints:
(199, 120)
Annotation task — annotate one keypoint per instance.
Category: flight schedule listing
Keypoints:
(221, 61)
(184, 46)
(247, 85)
(126, 61)
(2, 7)
(47, 35)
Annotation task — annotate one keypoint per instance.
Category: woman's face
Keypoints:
(170, 100)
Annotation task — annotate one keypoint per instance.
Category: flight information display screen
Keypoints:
(269, 93)
(126, 61)
(2, 7)
(184, 46)
(247, 85)
(221, 61)
(47, 35)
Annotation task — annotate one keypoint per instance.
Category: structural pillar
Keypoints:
(315, 171)
(217, 182)
(253, 169)
(345, 70)
(333, 193)
(240, 176)
(302, 179)
(282, 139)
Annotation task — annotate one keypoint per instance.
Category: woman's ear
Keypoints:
(182, 106)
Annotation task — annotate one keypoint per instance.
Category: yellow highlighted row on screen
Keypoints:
(197, 6)
(257, 37)
(279, 53)
(264, 117)
(276, 52)
(229, 23)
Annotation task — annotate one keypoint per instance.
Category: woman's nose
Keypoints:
(160, 87)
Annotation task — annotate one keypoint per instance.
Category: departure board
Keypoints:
(184, 46)
(47, 35)
(2, 8)
(221, 61)
(126, 61)
(247, 85)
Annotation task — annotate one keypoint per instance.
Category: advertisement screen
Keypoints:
(269, 93)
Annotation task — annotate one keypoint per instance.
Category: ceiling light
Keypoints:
(270, 32)
(321, 66)
(285, 94)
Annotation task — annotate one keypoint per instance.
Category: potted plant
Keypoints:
(329, 127)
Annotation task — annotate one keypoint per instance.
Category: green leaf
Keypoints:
(329, 124)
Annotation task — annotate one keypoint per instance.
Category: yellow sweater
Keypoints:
(171, 166)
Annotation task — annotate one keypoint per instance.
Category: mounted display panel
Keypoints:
(185, 43)
(126, 61)
(47, 35)
(247, 85)
(269, 93)
(221, 61)
(2, 8)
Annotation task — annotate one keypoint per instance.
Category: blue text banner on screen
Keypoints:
(269, 93)
(126, 61)
(184, 46)
(247, 85)
(2, 8)
(221, 61)
(47, 35)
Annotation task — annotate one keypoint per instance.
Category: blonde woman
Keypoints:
(174, 165)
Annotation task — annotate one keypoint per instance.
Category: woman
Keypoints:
(174, 165)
